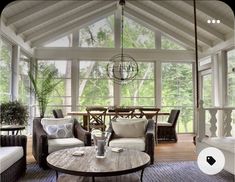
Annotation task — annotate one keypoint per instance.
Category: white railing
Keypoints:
(225, 120)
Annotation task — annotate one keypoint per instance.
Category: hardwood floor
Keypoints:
(183, 150)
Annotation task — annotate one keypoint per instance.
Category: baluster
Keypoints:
(201, 121)
(213, 121)
(227, 127)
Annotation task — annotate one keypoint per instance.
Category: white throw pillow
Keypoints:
(60, 122)
(129, 129)
(59, 131)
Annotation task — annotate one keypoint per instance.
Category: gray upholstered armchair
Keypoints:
(134, 139)
(44, 145)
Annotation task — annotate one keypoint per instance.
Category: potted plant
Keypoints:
(43, 83)
(14, 113)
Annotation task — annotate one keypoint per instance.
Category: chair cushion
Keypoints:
(59, 131)
(9, 155)
(129, 129)
(62, 130)
(133, 120)
(63, 143)
(129, 143)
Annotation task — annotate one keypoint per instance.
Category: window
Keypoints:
(5, 70)
(99, 34)
(61, 96)
(207, 90)
(137, 36)
(23, 81)
(141, 91)
(169, 44)
(177, 92)
(65, 41)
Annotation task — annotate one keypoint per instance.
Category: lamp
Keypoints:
(122, 68)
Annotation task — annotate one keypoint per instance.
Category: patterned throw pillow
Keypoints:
(59, 131)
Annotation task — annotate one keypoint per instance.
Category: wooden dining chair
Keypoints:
(127, 112)
(96, 118)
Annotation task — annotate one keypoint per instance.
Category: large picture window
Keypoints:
(141, 91)
(95, 88)
(5, 70)
(177, 93)
(61, 96)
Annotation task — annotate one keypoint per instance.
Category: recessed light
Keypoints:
(217, 21)
(213, 21)
(208, 21)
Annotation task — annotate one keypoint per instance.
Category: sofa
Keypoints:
(136, 134)
(12, 157)
(43, 144)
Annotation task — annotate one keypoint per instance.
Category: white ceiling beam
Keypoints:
(61, 53)
(213, 14)
(29, 12)
(78, 15)
(169, 21)
(189, 18)
(10, 34)
(144, 20)
(72, 26)
(51, 16)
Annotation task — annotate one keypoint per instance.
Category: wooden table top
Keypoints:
(113, 164)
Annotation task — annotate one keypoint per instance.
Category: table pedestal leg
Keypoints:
(56, 173)
(93, 179)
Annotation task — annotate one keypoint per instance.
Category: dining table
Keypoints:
(84, 114)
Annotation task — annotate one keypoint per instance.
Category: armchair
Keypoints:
(43, 145)
(12, 157)
(145, 143)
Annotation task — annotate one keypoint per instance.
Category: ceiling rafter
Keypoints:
(189, 18)
(212, 14)
(144, 20)
(171, 22)
(78, 15)
(30, 11)
(75, 25)
(51, 16)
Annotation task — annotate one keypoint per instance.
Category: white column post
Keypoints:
(15, 71)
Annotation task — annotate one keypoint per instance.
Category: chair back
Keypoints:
(58, 113)
(121, 112)
(96, 117)
(174, 114)
(149, 113)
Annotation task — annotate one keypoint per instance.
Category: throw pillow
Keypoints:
(59, 131)
(129, 129)
(133, 120)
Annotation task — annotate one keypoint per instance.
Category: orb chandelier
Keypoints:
(122, 68)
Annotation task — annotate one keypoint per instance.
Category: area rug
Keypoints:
(186, 171)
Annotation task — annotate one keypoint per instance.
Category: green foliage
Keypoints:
(43, 84)
(13, 113)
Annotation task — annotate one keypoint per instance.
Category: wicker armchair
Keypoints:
(40, 140)
(149, 138)
(15, 171)
(167, 131)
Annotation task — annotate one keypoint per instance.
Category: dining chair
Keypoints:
(96, 118)
(167, 130)
(127, 112)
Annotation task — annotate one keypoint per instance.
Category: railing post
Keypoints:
(201, 121)
(213, 121)
(227, 121)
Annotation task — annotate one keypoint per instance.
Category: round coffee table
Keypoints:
(125, 162)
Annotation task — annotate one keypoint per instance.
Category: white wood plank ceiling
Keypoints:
(39, 22)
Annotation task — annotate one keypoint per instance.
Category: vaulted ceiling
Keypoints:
(38, 22)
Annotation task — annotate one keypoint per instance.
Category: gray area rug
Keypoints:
(187, 171)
